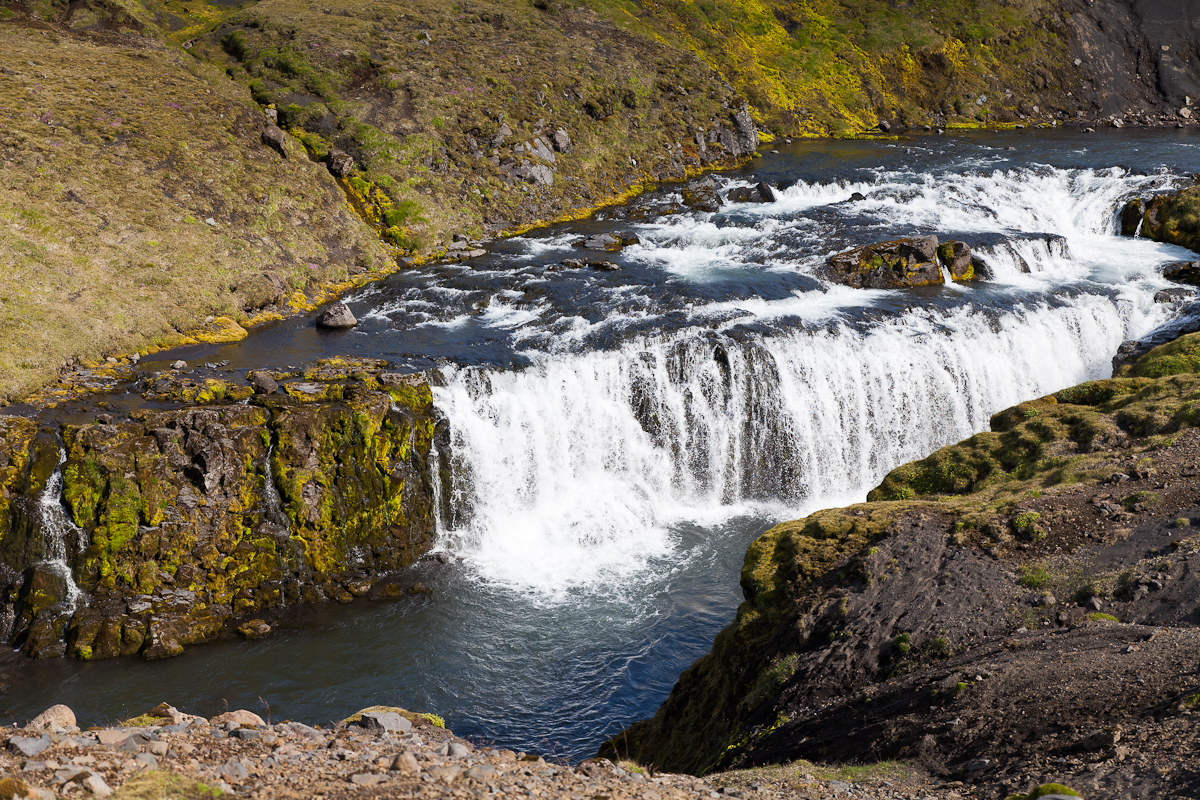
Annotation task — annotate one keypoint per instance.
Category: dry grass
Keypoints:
(803, 775)
(157, 785)
(112, 156)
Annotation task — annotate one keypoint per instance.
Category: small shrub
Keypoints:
(1182, 522)
(1144, 498)
(903, 643)
(939, 647)
(1026, 525)
(1035, 577)
(1100, 616)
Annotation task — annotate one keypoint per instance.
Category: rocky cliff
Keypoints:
(1020, 605)
(179, 524)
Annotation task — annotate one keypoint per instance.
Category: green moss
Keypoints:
(1028, 525)
(1174, 358)
(1100, 616)
(1146, 499)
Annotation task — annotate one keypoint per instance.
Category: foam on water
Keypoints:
(570, 474)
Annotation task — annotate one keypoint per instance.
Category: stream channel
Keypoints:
(619, 438)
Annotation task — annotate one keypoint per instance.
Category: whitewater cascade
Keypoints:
(56, 527)
(570, 474)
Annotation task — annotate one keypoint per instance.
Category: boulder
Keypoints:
(900, 263)
(274, 137)
(339, 163)
(761, 193)
(889, 265)
(562, 141)
(53, 718)
(255, 629)
(1172, 218)
(337, 315)
(956, 256)
(701, 196)
(385, 722)
(1178, 295)
(1131, 216)
(263, 383)
(241, 717)
(539, 174)
(1183, 272)
(611, 242)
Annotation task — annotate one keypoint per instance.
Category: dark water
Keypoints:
(620, 437)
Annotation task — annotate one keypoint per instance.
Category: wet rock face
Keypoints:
(1171, 218)
(901, 263)
(190, 520)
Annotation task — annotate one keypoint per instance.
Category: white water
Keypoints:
(54, 526)
(572, 474)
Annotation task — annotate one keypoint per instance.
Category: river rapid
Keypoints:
(619, 438)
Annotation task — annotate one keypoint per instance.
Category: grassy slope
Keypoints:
(118, 143)
(113, 153)
(1059, 440)
(837, 66)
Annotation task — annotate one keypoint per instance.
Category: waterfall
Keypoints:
(570, 473)
(275, 512)
(55, 526)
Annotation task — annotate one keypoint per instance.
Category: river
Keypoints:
(620, 437)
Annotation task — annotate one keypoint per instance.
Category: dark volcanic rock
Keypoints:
(761, 193)
(274, 137)
(701, 195)
(337, 315)
(900, 263)
(889, 265)
(184, 527)
(263, 383)
(1131, 216)
(611, 242)
(1183, 272)
(340, 163)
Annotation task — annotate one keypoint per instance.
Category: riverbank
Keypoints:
(377, 752)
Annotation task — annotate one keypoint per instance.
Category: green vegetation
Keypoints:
(155, 785)
(837, 65)
(1034, 577)
(771, 680)
(1145, 499)
(1100, 616)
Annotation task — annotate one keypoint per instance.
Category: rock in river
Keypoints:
(914, 261)
(336, 316)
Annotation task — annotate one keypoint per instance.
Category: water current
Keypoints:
(618, 438)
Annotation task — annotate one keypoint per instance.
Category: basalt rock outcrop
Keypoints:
(176, 524)
(1014, 607)
(902, 263)
(1171, 218)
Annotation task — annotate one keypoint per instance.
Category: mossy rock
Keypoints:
(1173, 358)
(416, 718)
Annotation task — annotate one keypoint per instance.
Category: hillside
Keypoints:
(141, 198)
(1015, 608)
